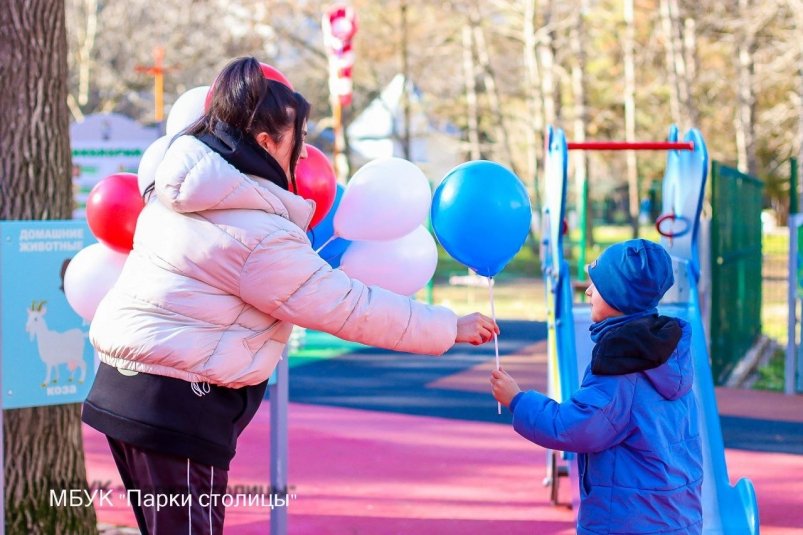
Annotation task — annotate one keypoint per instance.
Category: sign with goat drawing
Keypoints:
(46, 355)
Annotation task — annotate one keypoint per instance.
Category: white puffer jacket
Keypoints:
(221, 270)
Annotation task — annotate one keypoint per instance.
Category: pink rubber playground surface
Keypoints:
(378, 472)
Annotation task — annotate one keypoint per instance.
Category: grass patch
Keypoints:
(525, 264)
(514, 298)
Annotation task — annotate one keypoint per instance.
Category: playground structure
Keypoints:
(726, 509)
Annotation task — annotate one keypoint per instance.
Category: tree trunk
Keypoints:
(679, 64)
(472, 117)
(630, 114)
(43, 446)
(405, 64)
(493, 92)
(85, 52)
(674, 97)
(535, 124)
(691, 59)
(746, 111)
(534, 128)
(577, 36)
(547, 57)
(799, 19)
(796, 7)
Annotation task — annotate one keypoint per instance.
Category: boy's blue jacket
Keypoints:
(640, 453)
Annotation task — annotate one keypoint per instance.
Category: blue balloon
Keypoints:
(481, 215)
(325, 229)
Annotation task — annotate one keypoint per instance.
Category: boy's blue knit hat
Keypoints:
(632, 276)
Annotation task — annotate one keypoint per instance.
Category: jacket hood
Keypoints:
(194, 178)
(656, 345)
(243, 152)
(674, 378)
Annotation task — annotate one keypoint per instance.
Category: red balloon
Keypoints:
(112, 209)
(271, 73)
(316, 181)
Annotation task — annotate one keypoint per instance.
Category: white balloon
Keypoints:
(187, 109)
(403, 266)
(385, 200)
(151, 158)
(89, 277)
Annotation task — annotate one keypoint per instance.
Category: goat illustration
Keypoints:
(56, 348)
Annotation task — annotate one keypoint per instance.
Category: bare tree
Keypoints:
(405, 68)
(546, 55)
(522, 62)
(43, 445)
(577, 36)
(690, 63)
(799, 27)
(796, 7)
(472, 108)
(628, 46)
(746, 111)
(489, 78)
(532, 77)
(677, 37)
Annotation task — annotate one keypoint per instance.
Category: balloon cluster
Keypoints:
(112, 209)
(372, 228)
(375, 231)
(480, 213)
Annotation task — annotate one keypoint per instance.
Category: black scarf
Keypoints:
(642, 344)
(243, 152)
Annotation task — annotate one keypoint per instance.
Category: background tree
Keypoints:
(687, 57)
(43, 446)
(629, 45)
(577, 44)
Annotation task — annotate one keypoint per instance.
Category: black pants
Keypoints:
(176, 495)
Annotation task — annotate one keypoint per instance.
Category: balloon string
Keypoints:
(327, 242)
(496, 339)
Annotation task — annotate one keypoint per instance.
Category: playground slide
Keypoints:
(726, 509)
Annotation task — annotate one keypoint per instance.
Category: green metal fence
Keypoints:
(736, 261)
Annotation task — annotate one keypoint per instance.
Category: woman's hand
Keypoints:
(475, 329)
(503, 387)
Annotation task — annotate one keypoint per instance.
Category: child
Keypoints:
(633, 422)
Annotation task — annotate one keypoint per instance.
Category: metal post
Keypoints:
(794, 198)
(791, 337)
(279, 445)
(429, 288)
(799, 357)
(337, 126)
(582, 217)
(157, 70)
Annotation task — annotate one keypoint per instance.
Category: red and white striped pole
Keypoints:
(339, 24)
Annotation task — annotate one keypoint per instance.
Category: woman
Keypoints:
(220, 272)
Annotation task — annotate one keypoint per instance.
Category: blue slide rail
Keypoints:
(727, 509)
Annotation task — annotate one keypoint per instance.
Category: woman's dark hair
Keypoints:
(250, 103)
